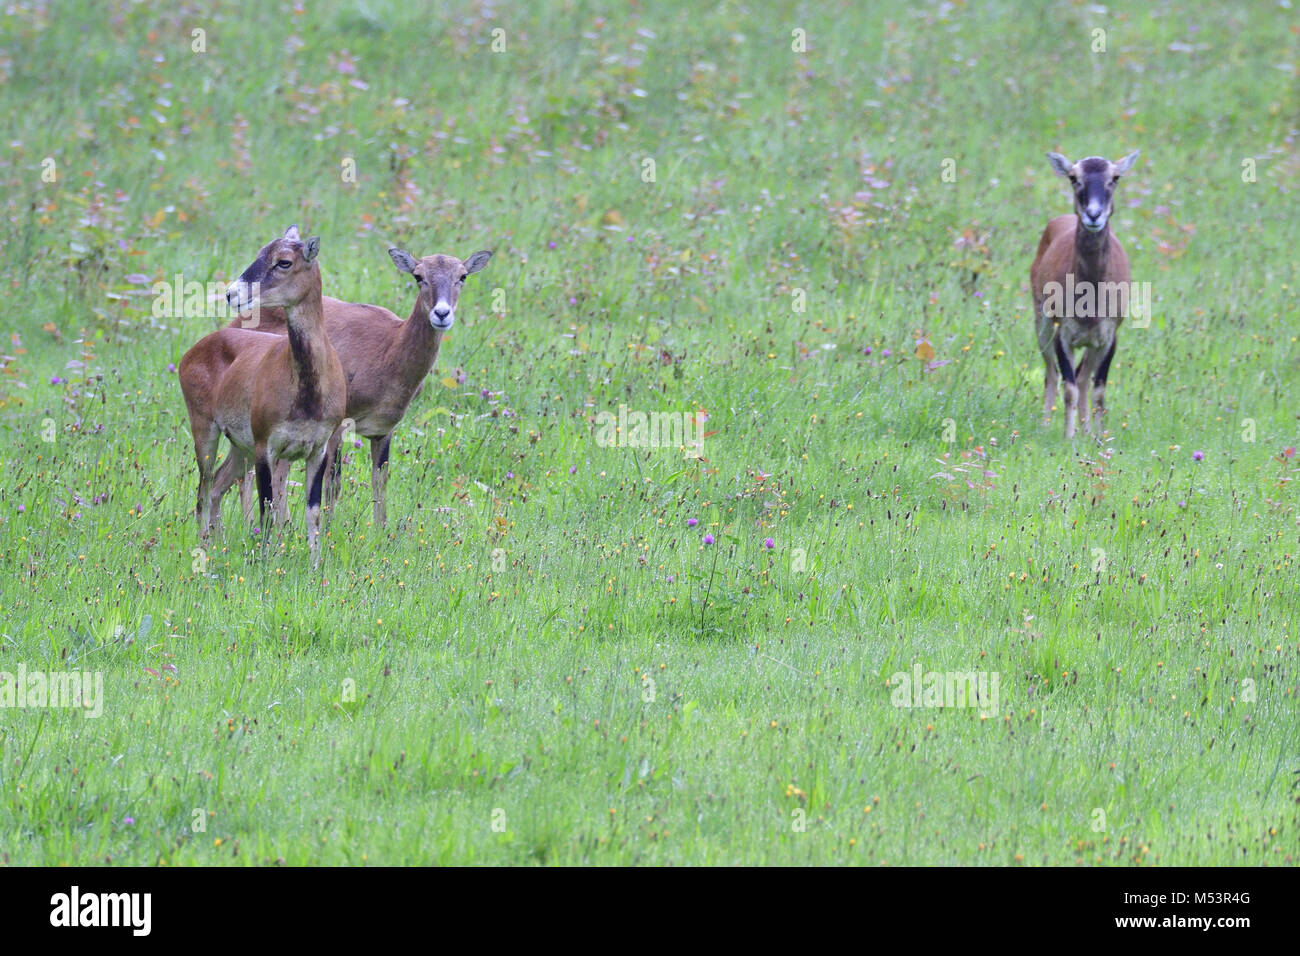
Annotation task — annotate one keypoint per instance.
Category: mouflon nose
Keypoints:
(441, 311)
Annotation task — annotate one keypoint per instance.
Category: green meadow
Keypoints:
(796, 234)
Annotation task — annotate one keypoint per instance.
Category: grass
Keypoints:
(540, 660)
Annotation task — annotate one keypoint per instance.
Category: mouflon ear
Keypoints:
(404, 261)
(310, 249)
(292, 233)
(477, 261)
(1125, 164)
(1060, 164)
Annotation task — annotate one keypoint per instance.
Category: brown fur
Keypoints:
(276, 398)
(385, 361)
(1070, 255)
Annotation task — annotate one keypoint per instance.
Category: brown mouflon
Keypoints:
(1080, 280)
(276, 398)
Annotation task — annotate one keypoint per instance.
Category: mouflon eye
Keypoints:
(464, 276)
(283, 264)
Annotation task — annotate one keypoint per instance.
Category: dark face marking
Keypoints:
(278, 263)
(275, 260)
(1093, 180)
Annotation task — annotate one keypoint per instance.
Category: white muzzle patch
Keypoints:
(1094, 218)
(241, 295)
(441, 316)
(1094, 223)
